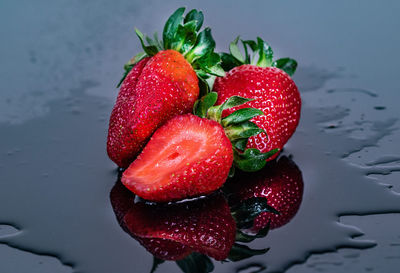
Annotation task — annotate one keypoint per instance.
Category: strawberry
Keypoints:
(192, 155)
(269, 83)
(281, 183)
(160, 83)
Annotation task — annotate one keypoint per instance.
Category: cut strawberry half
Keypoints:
(183, 157)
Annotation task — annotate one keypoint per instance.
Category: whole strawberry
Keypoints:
(281, 183)
(192, 155)
(271, 87)
(160, 83)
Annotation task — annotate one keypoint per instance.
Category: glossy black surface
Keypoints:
(60, 63)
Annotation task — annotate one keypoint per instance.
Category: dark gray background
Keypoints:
(60, 61)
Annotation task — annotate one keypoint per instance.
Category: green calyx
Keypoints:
(183, 34)
(238, 128)
(262, 55)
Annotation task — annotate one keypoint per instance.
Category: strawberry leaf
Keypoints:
(205, 44)
(243, 130)
(196, 263)
(252, 160)
(151, 50)
(210, 79)
(234, 101)
(228, 61)
(157, 41)
(237, 127)
(240, 144)
(185, 37)
(240, 252)
(215, 112)
(154, 42)
(210, 64)
(286, 64)
(241, 115)
(265, 53)
(195, 15)
(171, 27)
(253, 47)
(260, 49)
(252, 44)
(235, 52)
(203, 86)
(204, 104)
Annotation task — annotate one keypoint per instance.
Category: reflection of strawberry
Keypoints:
(269, 83)
(164, 249)
(205, 226)
(191, 155)
(280, 182)
(173, 231)
(187, 232)
(160, 83)
(121, 200)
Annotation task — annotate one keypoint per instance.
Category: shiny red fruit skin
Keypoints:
(281, 182)
(275, 93)
(205, 226)
(154, 91)
(203, 171)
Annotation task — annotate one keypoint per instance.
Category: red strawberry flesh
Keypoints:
(186, 157)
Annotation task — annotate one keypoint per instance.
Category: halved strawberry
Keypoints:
(191, 156)
(186, 156)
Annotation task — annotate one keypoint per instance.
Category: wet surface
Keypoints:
(56, 178)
